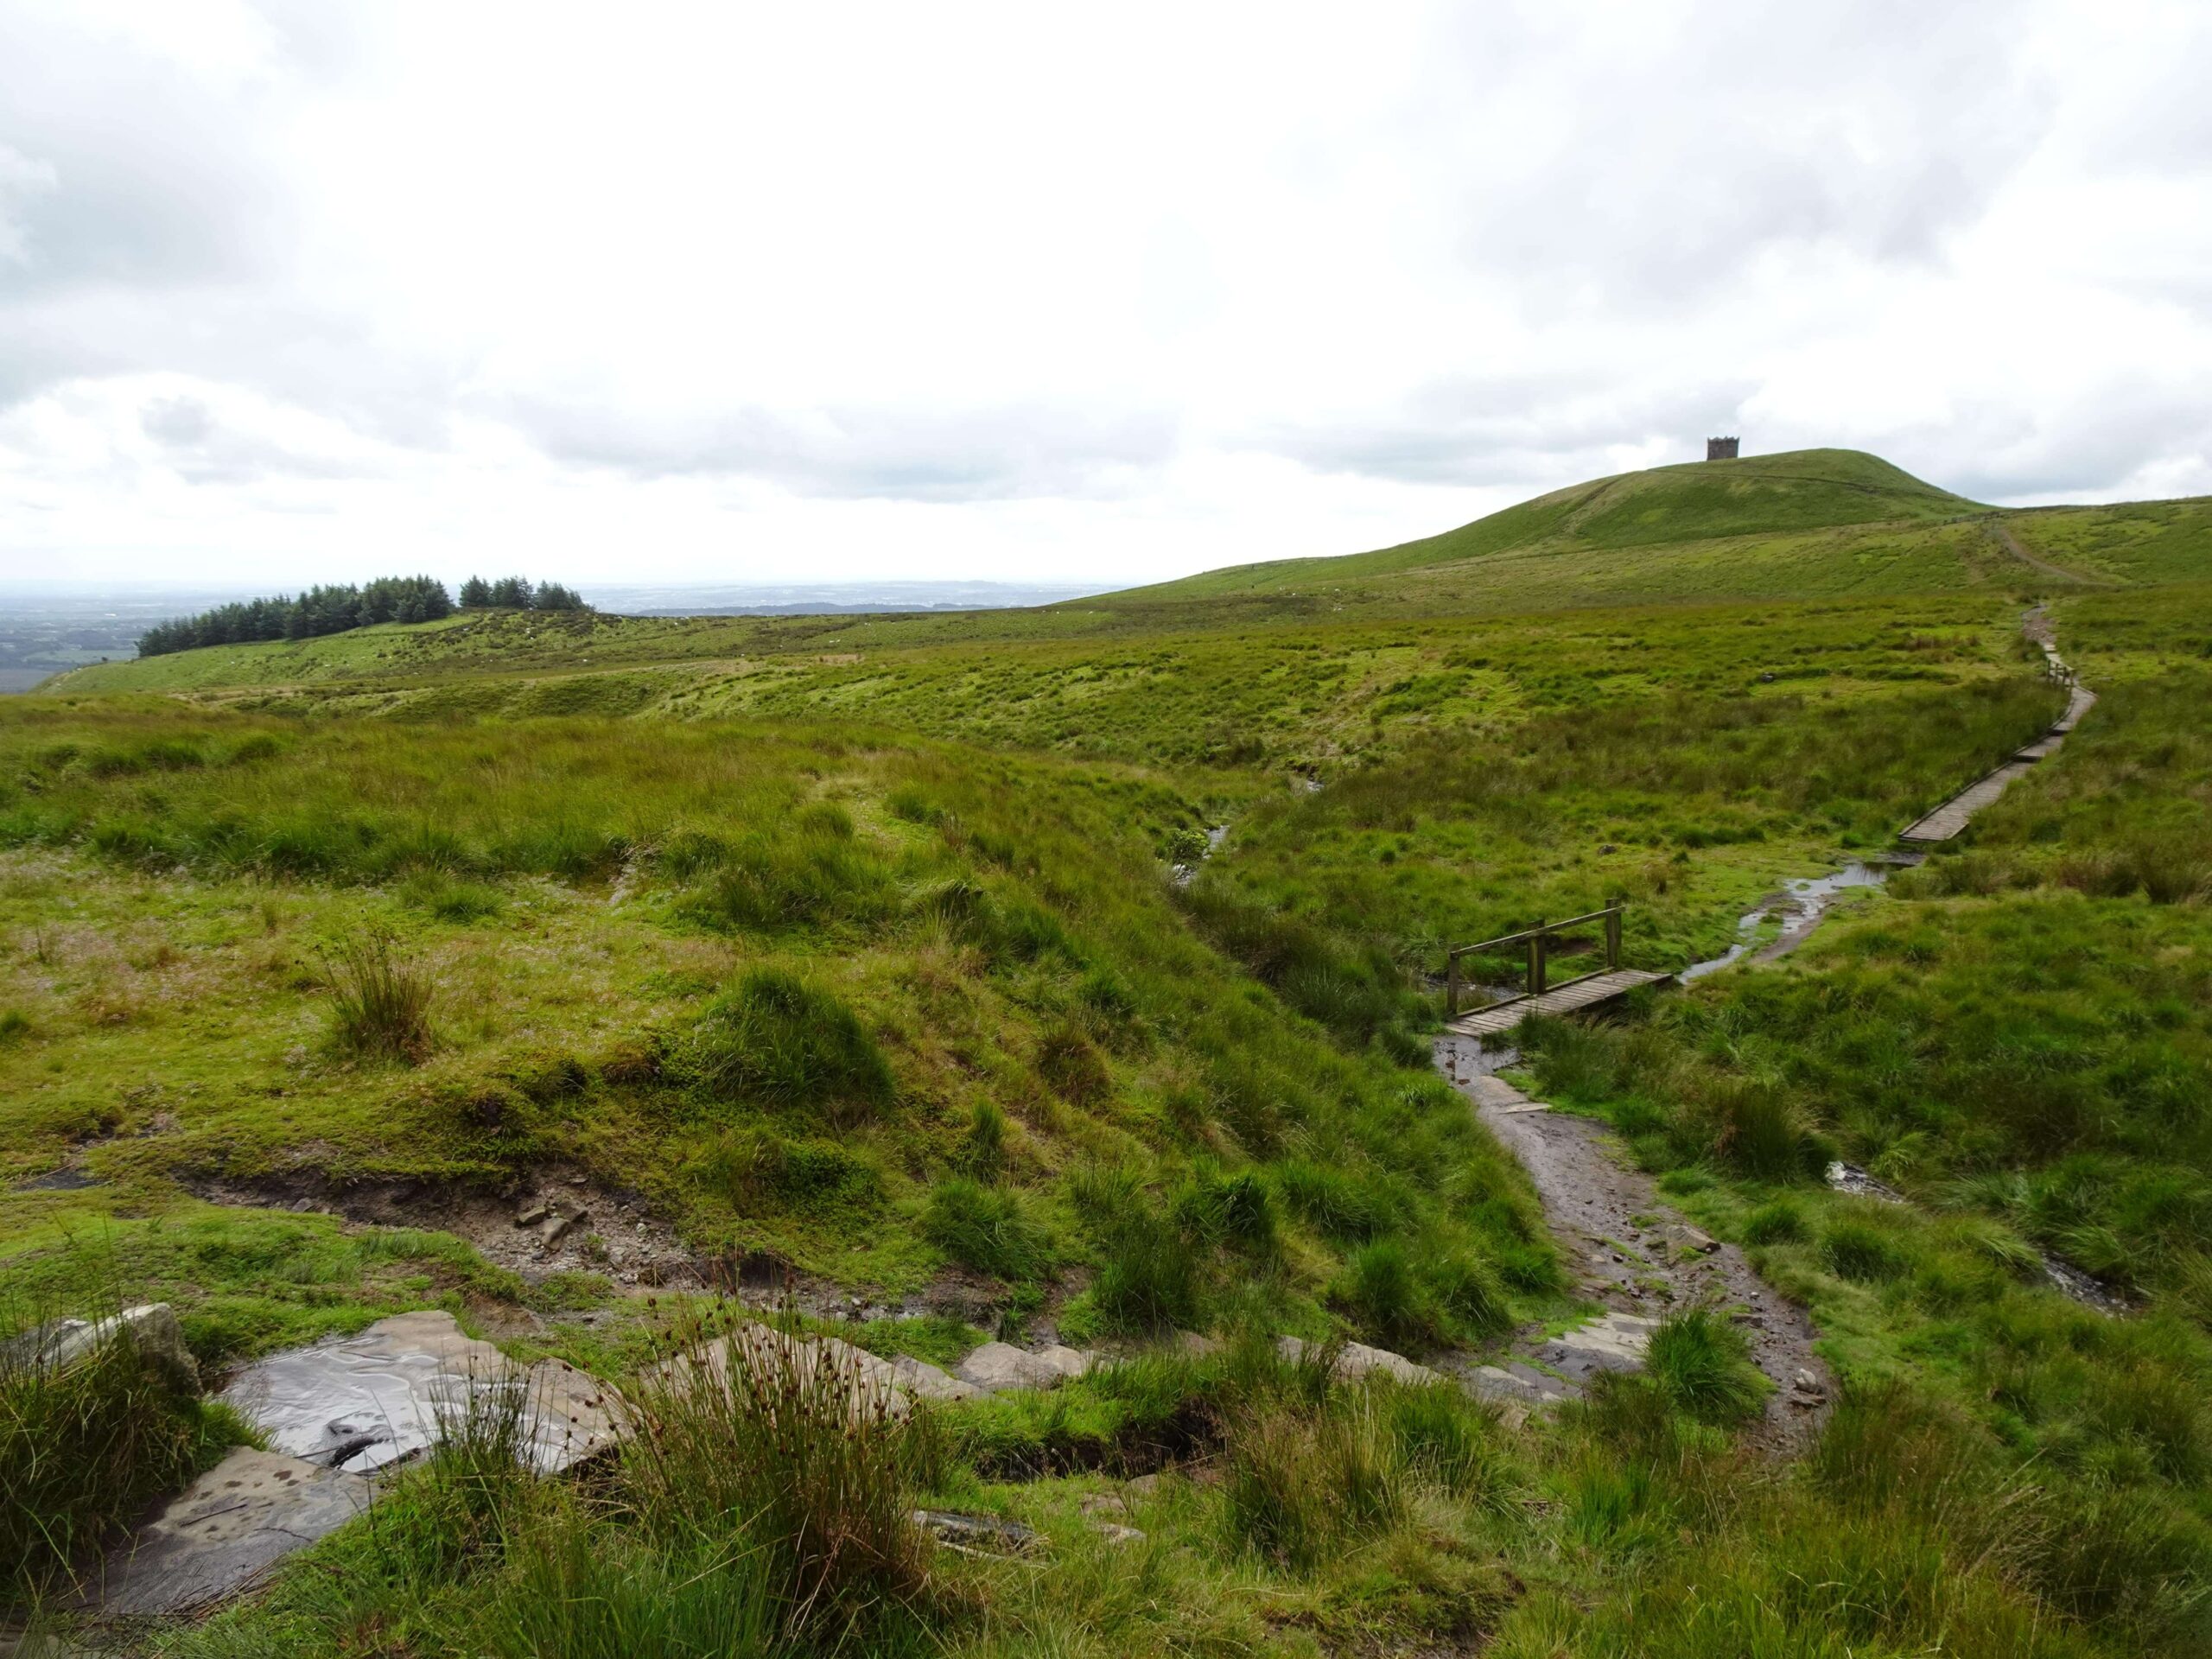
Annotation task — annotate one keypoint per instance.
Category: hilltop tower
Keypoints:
(1720, 449)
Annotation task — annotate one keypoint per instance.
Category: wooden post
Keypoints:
(1537, 952)
(1451, 985)
(1613, 937)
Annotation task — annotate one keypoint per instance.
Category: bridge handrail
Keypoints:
(1534, 938)
(1541, 927)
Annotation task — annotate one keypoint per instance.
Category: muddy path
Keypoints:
(1630, 1252)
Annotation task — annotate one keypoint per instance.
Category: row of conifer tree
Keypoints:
(334, 609)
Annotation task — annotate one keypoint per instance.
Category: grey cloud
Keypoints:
(1509, 430)
(860, 453)
(1992, 452)
(201, 450)
(155, 180)
(175, 420)
(1877, 130)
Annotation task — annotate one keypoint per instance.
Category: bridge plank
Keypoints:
(1603, 987)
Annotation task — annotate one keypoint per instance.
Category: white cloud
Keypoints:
(998, 291)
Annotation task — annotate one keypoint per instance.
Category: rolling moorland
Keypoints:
(854, 946)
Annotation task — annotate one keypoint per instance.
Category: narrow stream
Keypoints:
(1799, 906)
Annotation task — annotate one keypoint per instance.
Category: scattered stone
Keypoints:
(223, 1533)
(1849, 1177)
(1805, 1382)
(1115, 1534)
(531, 1215)
(1104, 1503)
(151, 1326)
(977, 1535)
(1688, 1239)
(1190, 1342)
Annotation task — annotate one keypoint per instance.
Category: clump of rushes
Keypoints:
(1299, 1481)
(983, 1155)
(380, 1001)
(782, 1455)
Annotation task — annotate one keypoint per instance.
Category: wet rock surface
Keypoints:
(359, 1403)
(222, 1535)
(152, 1326)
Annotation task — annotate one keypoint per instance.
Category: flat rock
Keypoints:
(998, 1366)
(922, 1381)
(357, 1403)
(223, 1533)
(972, 1534)
(1356, 1360)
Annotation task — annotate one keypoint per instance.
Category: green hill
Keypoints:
(1764, 495)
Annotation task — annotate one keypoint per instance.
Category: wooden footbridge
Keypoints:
(1539, 995)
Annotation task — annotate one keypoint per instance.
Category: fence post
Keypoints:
(1538, 950)
(1614, 938)
(1451, 985)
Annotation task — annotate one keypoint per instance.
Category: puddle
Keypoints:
(67, 1178)
(1470, 1057)
(1799, 907)
(1849, 1177)
(2083, 1287)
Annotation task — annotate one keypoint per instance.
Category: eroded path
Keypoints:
(1633, 1255)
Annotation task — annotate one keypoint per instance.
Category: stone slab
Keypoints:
(223, 1533)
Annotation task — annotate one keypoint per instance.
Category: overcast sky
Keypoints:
(742, 292)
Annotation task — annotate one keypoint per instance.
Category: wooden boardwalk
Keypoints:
(1948, 819)
(1580, 994)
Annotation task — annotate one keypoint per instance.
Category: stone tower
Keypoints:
(1720, 449)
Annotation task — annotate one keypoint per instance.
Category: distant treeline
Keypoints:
(334, 610)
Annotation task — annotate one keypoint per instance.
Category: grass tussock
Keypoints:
(774, 1037)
